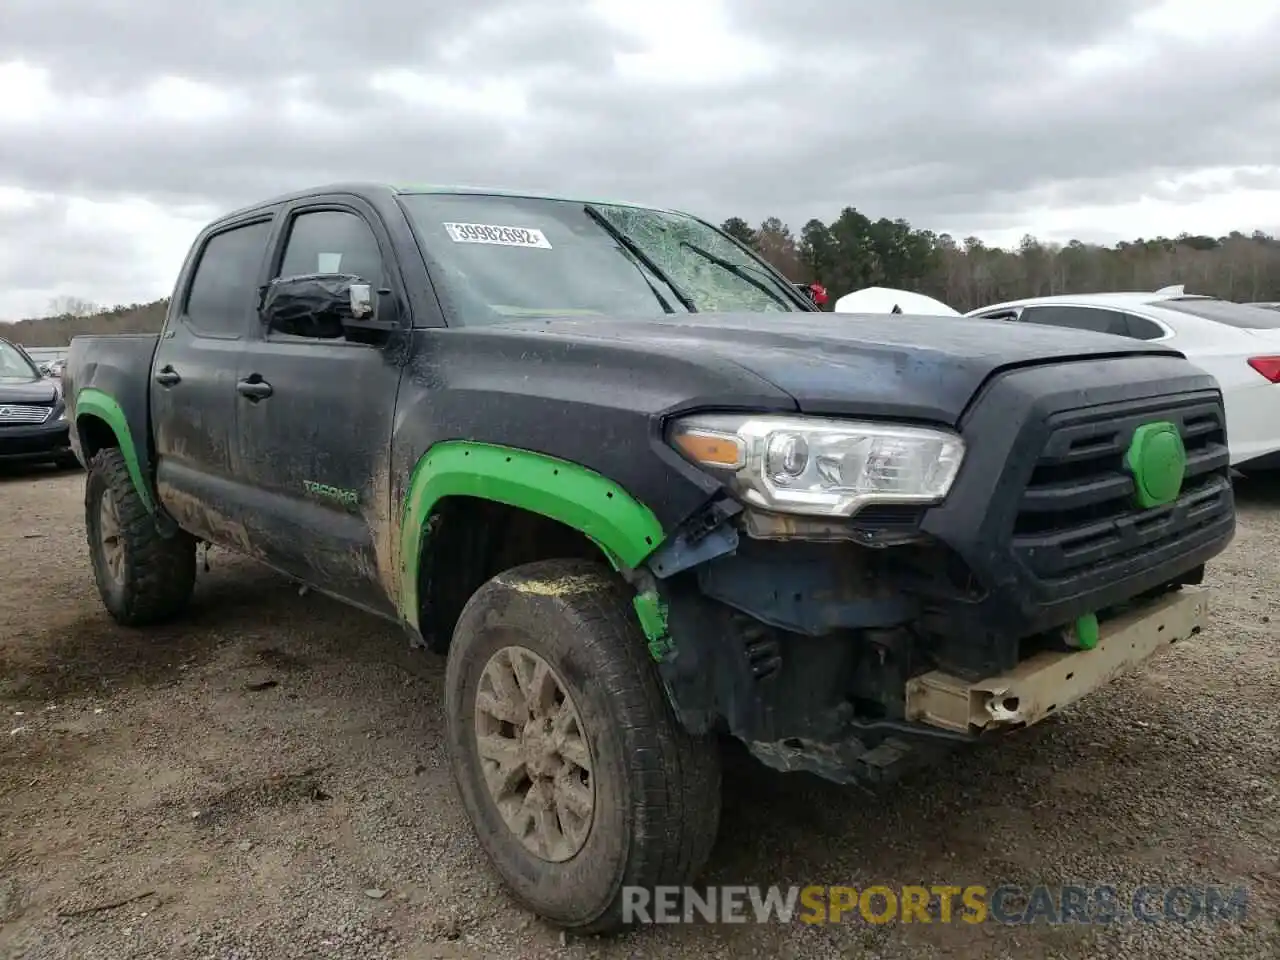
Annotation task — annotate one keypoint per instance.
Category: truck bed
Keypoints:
(118, 365)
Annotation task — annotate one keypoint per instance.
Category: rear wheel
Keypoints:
(143, 576)
(571, 765)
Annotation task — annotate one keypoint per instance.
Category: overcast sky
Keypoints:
(124, 124)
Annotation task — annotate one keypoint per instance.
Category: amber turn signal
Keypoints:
(711, 449)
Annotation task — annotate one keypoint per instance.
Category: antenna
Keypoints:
(1177, 290)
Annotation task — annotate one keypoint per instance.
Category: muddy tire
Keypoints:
(142, 576)
(552, 701)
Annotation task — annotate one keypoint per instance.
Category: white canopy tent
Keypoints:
(885, 299)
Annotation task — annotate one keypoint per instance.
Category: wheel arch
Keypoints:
(562, 507)
(100, 422)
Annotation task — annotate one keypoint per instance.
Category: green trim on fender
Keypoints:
(92, 402)
(653, 621)
(625, 529)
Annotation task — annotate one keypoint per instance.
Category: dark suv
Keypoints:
(33, 418)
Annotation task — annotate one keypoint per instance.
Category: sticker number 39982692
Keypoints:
(503, 236)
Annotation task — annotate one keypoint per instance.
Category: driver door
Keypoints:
(315, 416)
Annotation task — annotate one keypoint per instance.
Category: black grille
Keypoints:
(1077, 512)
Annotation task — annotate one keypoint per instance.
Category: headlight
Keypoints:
(820, 467)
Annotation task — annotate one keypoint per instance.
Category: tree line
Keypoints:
(72, 317)
(853, 251)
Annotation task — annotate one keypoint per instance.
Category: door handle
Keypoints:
(167, 376)
(254, 387)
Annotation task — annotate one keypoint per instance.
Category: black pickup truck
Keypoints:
(643, 494)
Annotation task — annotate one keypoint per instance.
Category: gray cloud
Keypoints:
(45, 254)
(940, 113)
(116, 46)
(1002, 27)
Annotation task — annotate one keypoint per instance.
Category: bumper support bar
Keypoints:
(1046, 682)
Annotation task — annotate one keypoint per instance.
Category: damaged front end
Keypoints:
(803, 650)
(860, 645)
(835, 659)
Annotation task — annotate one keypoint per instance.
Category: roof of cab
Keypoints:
(525, 194)
(370, 189)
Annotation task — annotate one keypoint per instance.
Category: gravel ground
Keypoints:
(267, 779)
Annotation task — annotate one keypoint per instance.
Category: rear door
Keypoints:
(193, 396)
(314, 452)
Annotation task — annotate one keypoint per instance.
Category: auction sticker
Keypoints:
(503, 236)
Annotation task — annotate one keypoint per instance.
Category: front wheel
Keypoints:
(572, 767)
(143, 576)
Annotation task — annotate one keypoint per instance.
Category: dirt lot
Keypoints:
(267, 780)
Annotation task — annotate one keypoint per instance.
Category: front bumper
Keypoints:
(789, 700)
(37, 442)
(1048, 681)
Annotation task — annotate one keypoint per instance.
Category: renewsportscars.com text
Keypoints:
(938, 903)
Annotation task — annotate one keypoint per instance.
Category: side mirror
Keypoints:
(45, 370)
(360, 297)
(323, 305)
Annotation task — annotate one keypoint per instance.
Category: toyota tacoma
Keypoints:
(641, 495)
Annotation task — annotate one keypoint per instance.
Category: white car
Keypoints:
(1238, 344)
(889, 300)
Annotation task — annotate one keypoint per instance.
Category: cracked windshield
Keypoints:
(509, 257)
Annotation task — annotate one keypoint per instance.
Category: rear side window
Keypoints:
(225, 286)
(1226, 312)
(1143, 329)
(1079, 318)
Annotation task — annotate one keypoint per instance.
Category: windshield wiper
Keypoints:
(632, 248)
(738, 271)
(666, 306)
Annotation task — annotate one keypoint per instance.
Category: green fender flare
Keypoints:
(92, 402)
(624, 529)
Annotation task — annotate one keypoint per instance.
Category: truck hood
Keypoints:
(27, 391)
(920, 368)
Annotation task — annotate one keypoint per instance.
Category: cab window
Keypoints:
(332, 241)
(224, 287)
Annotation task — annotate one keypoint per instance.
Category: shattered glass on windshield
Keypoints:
(712, 288)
